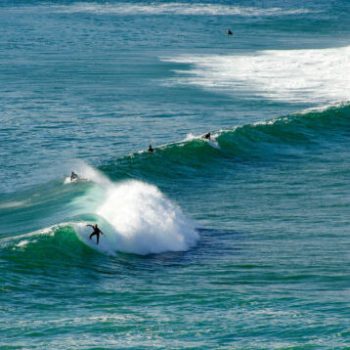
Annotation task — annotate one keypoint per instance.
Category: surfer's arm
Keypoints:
(89, 226)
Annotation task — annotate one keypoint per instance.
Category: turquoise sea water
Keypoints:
(241, 242)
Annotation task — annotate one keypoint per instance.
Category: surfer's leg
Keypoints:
(93, 233)
(97, 238)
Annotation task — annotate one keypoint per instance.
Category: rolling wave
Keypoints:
(54, 241)
(262, 140)
(135, 217)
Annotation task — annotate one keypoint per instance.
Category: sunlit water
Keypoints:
(238, 242)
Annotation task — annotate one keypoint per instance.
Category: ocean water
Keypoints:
(240, 242)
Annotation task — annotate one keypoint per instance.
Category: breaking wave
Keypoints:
(316, 76)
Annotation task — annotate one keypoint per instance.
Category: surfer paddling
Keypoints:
(96, 231)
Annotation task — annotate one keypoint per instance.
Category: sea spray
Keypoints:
(135, 217)
(86, 173)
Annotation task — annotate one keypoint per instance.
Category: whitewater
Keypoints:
(135, 217)
(239, 240)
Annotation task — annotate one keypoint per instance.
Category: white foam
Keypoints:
(13, 204)
(137, 218)
(86, 173)
(27, 238)
(176, 8)
(22, 244)
(297, 76)
(212, 142)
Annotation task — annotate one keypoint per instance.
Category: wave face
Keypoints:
(280, 184)
(237, 242)
(267, 141)
(295, 76)
(135, 217)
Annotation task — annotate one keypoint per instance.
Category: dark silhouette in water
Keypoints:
(207, 136)
(74, 176)
(150, 149)
(229, 32)
(96, 231)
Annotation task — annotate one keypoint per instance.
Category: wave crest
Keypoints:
(143, 221)
(177, 8)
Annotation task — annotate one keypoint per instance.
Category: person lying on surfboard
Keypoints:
(207, 136)
(96, 231)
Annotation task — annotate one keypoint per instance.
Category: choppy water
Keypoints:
(241, 242)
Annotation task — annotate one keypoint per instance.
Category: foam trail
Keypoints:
(212, 142)
(176, 8)
(297, 76)
(27, 238)
(87, 173)
(14, 204)
(137, 218)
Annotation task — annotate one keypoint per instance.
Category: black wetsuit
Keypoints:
(96, 231)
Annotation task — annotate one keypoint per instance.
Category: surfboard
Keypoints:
(68, 180)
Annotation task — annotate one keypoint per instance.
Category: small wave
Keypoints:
(260, 140)
(53, 245)
(176, 8)
(297, 76)
(23, 240)
(285, 135)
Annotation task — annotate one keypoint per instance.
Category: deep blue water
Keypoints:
(240, 242)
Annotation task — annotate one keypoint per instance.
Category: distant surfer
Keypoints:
(229, 32)
(207, 136)
(96, 231)
(150, 149)
(74, 176)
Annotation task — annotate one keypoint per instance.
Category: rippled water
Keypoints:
(238, 242)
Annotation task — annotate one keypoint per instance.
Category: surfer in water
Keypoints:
(229, 32)
(207, 136)
(74, 176)
(150, 149)
(96, 231)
